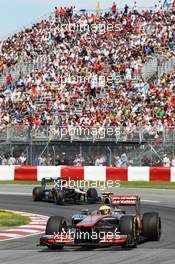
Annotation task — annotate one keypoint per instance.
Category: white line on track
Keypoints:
(33, 226)
(24, 230)
(14, 238)
(16, 193)
(150, 201)
(29, 194)
(9, 234)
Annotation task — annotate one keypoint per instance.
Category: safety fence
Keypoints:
(87, 173)
(158, 65)
(134, 134)
(45, 146)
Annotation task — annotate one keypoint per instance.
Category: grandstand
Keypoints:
(90, 89)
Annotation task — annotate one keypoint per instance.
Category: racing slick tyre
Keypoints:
(56, 225)
(128, 226)
(151, 223)
(37, 194)
(59, 197)
(92, 195)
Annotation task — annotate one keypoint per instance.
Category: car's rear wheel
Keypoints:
(59, 197)
(151, 223)
(128, 226)
(56, 225)
(92, 195)
(77, 197)
(37, 193)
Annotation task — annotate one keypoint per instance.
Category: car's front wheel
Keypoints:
(56, 225)
(128, 226)
(37, 194)
(151, 223)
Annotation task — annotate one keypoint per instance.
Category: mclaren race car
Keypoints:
(108, 226)
(57, 190)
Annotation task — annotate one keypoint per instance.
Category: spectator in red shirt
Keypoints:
(114, 8)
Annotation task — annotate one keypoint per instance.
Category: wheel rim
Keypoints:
(134, 230)
(34, 196)
(158, 228)
(55, 197)
(63, 227)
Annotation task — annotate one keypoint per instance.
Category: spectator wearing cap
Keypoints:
(166, 161)
(126, 8)
(117, 161)
(114, 8)
(135, 7)
(124, 160)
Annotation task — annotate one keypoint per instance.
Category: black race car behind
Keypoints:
(60, 193)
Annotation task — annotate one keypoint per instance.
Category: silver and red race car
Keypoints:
(108, 226)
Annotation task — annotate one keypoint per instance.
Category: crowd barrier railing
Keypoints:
(91, 134)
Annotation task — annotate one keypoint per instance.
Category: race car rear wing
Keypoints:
(44, 181)
(107, 194)
(49, 180)
(127, 200)
(124, 200)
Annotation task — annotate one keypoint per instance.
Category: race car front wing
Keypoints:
(64, 240)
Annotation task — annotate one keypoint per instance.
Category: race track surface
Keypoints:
(24, 251)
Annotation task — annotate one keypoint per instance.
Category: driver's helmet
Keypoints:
(105, 210)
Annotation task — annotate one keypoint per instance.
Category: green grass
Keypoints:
(153, 185)
(132, 184)
(9, 219)
(20, 182)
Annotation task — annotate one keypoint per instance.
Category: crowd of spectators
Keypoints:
(123, 160)
(9, 159)
(131, 104)
(125, 37)
(68, 89)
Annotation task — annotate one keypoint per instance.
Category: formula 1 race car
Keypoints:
(108, 226)
(60, 192)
